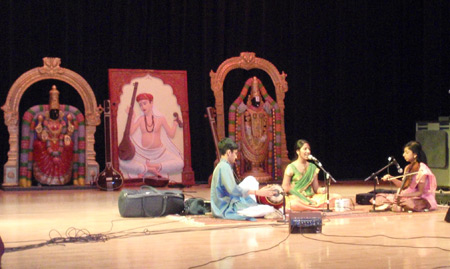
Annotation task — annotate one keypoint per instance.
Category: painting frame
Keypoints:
(119, 79)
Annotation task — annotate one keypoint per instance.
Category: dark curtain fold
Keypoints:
(360, 73)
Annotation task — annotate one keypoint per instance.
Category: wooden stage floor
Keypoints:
(356, 238)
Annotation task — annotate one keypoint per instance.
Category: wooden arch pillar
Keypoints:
(50, 70)
(247, 61)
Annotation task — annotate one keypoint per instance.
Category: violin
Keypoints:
(410, 170)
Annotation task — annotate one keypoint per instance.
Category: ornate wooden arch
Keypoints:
(247, 61)
(50, 70)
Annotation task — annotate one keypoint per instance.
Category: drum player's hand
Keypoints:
(386, 177)
(267, 191)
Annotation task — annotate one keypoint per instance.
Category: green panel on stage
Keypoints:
(435, 143)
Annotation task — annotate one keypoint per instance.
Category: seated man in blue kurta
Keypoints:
(230, 200)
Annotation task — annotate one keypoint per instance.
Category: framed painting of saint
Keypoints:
(150, 125)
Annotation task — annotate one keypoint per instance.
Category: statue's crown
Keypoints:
(54, 98)
(255, 92)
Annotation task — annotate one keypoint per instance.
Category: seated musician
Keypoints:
(301, 182)
(156, 154)
(417, 187)
(230, 200)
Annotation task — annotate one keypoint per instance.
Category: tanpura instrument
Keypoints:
(109, 179)
(126, 147)
(211, 114)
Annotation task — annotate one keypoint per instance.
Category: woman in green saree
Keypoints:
(301, 182)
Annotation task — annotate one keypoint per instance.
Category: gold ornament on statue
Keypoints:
(54, 98)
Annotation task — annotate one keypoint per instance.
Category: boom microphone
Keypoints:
(394, 161)
(399, 169)
(314, 159)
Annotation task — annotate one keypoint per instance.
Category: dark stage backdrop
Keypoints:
(360, 73)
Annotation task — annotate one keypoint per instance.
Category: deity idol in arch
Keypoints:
(52, 144)
(53, 148)
(253, 125)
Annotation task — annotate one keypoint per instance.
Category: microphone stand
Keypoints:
(284, 220)
(375, 182)
(328, 176)
(327, 183)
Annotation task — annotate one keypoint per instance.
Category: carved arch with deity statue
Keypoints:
(268, 130)
(74, 129)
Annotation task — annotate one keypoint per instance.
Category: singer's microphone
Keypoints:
(399, 169)
(394, 161)
(314, 159)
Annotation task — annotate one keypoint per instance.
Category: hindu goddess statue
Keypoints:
(53, 149)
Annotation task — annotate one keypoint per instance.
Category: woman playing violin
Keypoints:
(417, 187)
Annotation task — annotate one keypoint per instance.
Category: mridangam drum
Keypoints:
(275, 201)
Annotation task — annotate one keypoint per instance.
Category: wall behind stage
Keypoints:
(360, 73)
